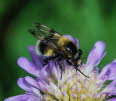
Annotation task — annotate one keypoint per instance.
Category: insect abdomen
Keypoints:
(44, 47)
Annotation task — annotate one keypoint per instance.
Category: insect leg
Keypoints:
(70, 63)
(60, 66)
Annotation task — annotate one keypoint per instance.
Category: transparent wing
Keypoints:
(41, 31)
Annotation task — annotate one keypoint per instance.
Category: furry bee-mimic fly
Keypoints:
(54, 45)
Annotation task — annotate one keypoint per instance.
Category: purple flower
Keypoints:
(73, 86)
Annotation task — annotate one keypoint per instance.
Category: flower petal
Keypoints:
(56, 73)
(43, 85)
(28, 66)
(35, 57)
(95, 56)
(45, 73)
(24, 85)
(32, 81)
(73, 39)
(30, 85)
(112, 68)
(24, 97)
(110, 89)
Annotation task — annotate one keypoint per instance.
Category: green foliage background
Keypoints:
(87, 20)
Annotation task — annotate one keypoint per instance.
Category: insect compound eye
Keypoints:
(78, 54)
(71, 47)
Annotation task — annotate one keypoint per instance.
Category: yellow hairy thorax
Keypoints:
(62, 41)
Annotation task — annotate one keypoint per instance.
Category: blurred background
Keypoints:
(87, 20)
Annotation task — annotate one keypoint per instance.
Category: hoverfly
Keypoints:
(55, 45)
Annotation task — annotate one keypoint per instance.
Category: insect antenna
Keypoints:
(80, 71)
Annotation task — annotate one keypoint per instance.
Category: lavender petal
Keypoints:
(111, 88)
(28, 66)
(24, 97)
(24, 85)
(55, 71)
(31, 81)
(112, 68)
(43, 85)
(35, 57)
(45, 73)
(95, 56)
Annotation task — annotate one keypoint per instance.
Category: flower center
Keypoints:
(75, 87)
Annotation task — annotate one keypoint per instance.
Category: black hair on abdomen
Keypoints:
(42, 47)
(43, 44)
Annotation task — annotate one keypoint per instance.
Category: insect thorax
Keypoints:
(67, 46)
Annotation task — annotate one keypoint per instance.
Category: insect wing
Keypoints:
(41, 31)
(45, 30)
